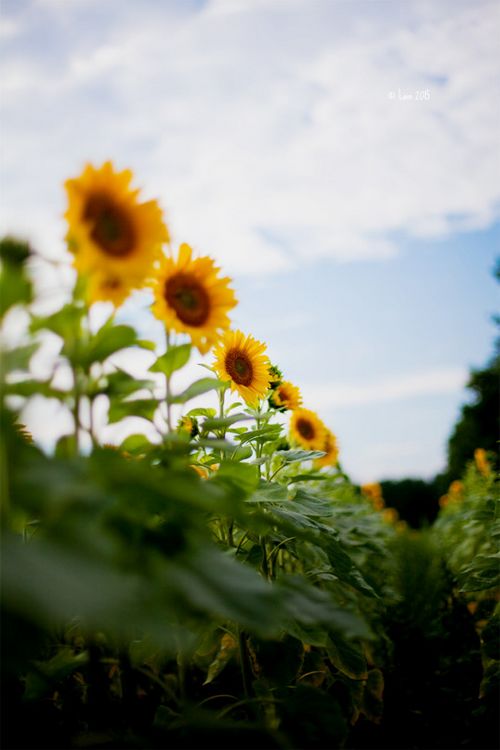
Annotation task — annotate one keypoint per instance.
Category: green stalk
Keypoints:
(168, 387)
(76, 407)
(244, 663)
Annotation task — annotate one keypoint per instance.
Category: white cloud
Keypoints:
(266, 128)
(340, 395)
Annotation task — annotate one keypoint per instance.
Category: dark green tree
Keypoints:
(479, 424)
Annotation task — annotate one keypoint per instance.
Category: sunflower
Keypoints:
(285, 396)
(110, 232)
(191, 298)
(275, 376)
(331, 451)
(307, 429)
(241, 361)
(390, 515)
(482, 463)
(108, 287)
(188, 426)
(374, 494)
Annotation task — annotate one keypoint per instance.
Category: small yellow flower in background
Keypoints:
(444, 500)
(275, 376)
(455, 491)
(482, 463)
(285, 396)
(189, 426)
(472, 607)
(240, 360)
(110, 233)
(106, 287)
(201, 471)
(390, 515)
(331, 451)
(191, 298)
(374, 493)
(307, 429)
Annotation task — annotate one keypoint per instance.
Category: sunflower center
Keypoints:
(305, 428)
(283, 395)
(188, 298)
(239, 367)
(111, 229)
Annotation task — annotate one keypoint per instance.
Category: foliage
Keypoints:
(478, 426)
(222, 584)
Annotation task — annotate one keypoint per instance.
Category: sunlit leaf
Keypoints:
(173, 359)
(197, 389)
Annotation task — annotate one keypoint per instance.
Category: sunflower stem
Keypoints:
(246, 673)
(167, 387)
(76, 408)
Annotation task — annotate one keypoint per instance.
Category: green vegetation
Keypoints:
(216, 588)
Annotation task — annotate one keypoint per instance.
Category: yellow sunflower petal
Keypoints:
(307, 429)
(331, 451)
(240, 360)
(191, 298)
(110, 233)
(285, 396)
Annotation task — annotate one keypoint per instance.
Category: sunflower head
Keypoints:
(456, 490)
(390, 515)
(109, 231)
(285, 396)
(188, 426)
(331, 450)
(307, 429)
(374, 494)
(240, 360)
(275, 376)
(481, 461)
(191, 297)
(108, 287)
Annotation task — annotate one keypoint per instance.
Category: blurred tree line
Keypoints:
(417, 500)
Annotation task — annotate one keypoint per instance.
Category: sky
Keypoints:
(340, 159)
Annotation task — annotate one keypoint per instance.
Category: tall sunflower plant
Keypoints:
(120, 244)
(258, 471)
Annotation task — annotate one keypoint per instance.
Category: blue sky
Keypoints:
(340, 160)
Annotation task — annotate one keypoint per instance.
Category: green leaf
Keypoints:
(262, 435)
(291, 456)
(308, 478)
(215, 444)
(224, 422)
(269, 492)
(145, 344)
(243, 475)
(15, 288)
(108, 340)
(173, 359)
(17, 359)
(227, 649)
(49, 673)
(140, 407)
(482, 574)
(201, 412)
(344, 567)
(242, 453)
(347, 657)
(66, 447)
(27, 388)
(66, 322)
(311, 606)
(120, 383)
(197, 389)
(136, 444)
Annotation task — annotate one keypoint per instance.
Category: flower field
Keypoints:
(223, 584)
